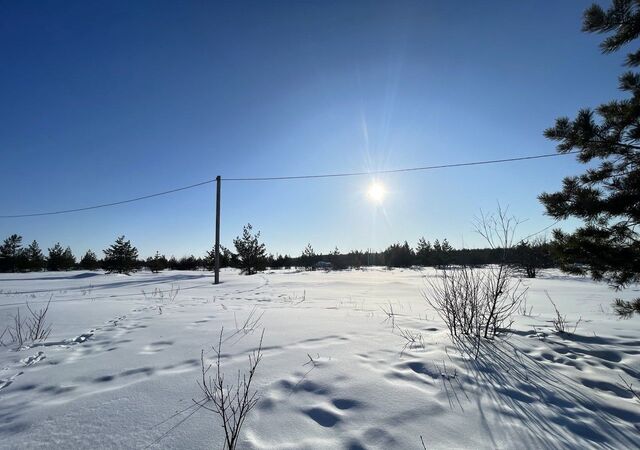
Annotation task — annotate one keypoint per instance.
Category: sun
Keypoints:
(376, 192)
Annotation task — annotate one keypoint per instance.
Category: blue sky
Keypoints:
(102, 101)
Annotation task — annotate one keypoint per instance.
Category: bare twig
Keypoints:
(628, 386)
(33, 328)
(231, 402)
(391, 316)
(560, 322)
(413, 340)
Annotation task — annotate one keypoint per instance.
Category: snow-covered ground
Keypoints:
(120, 367)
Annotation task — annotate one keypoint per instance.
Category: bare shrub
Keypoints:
(503, 291)
(173, 293)
(31, 329)
(413, 339)
(480, 302)
(312, 363)
(560, 323)
(250, 324)
(524, 309)
(231, 402)
(159, 295)
(390, 315)
(456, 297)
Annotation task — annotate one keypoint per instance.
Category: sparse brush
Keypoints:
(524, 309)
(173, 293)
(31, 329)
(2, 336)
(391, 315)
(448, 380)
(480, 303)
(250, 324)
(231, 402)
(413, 339)
(472, 302)
(560, 323)
(303, 298)
(37, 327)
(313, 361)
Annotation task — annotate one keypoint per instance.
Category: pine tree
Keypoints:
(56, 258)
(120, 257)
(89, 261)
(532, 256)
(424, 252)
(251, 252)
(210, 259)
(446, 251)
(399, 255)
(188, 263)
(607, 196)
(172, 264)
(308, 257)
(337, 259)
(9, 253)
(60, 258)
(227, 258)
(68, 260)
(157, 263)
(34, 257)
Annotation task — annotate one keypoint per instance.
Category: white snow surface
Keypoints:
(121, 366)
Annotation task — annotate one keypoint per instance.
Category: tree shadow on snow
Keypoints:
(544, 401)
(133, 283)
(69, 276)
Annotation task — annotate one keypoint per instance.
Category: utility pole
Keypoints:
(217, 262)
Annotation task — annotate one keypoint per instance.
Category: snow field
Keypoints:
(120, 367)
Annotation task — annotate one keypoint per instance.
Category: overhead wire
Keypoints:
(409, 169)
(105, 205)
(292, 177)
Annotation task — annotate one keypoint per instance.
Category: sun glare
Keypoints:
(376, 192)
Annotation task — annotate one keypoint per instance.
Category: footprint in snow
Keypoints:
(80, 339)
(322, 417)
(31, 360)
(345, 403)
(155, 347)
(5, 382)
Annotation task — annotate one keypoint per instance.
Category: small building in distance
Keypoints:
(322, 265)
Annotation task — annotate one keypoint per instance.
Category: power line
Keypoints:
(105, 205)
(540, 231)
(410, 169)
(295, 177)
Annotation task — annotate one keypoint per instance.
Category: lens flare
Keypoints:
(376, 192)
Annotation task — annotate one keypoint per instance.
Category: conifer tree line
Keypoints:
(250, 256)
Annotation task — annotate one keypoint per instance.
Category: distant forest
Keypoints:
(123, 257)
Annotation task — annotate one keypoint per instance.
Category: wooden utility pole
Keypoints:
(217, 262)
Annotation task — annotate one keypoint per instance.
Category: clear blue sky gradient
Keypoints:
(103, 101)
